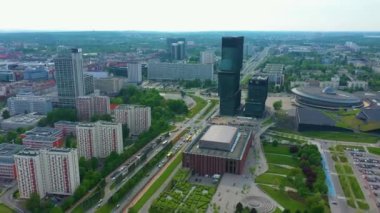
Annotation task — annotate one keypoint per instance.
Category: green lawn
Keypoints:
(281, 159)
(5, 209)
(348, 169)
(355, 187)
(339, 169)
(374, 150)
(362, 205)
(209, 108)
(283, 199)
(272, 179)
(278, 169)
(342, 148)
(200, 104)
(105, 209)
(280, 149)
(342, 136)
(158, 183)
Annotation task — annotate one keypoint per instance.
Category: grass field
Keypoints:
(158, 183)
(280, 149)
(278, 169)
(351, 188)
(5, 209)
(342, 136)
(281, 159)
(272, 179)
(283, 198)
(209, 108)
(374, 150)
(342, 148)
(200, 104)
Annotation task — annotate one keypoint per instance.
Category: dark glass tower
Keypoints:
(229, 75)
(257, 95)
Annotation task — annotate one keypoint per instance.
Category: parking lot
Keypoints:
(368, 168)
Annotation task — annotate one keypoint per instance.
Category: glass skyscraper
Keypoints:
(257, 95)
(229, 75)
(69, 76)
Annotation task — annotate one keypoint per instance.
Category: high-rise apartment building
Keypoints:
(134, 73)
(229, 75)
(69, 76)
(89, 84)
(137, 117)
(22, 104)
(180, 71)
(207, 57)
(257, 95)
(99, 139)
(109, 86)
(176, 48)
(88, 106)
(53, 171)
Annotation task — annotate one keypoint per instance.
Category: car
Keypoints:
(118, 205)
(334, 202)
(101, 200)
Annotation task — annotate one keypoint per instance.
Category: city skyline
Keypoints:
(272, 15)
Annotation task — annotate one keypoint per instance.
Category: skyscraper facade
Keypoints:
(135, 73)
(257, 95)
(176, 48)
(229, 75)
(69, 76)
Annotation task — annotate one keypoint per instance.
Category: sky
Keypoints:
(191, 15)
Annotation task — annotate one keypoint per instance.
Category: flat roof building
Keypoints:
(219, 150)
(67, 127)
(22, 104)
(43, 137)
(7, 164)
(180, 71)
(21, 121)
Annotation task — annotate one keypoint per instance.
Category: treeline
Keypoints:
(163, 112)
(309, 178)
(132, 182)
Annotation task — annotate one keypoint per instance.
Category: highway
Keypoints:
(192, 123)
(109, 192)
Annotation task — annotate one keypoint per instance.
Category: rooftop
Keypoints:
(313, 117)
(220, 134)
(43, 131)
(326, 94)
(236, 153)
(7, 151)
(24, 118)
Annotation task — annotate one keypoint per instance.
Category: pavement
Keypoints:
(7, 199)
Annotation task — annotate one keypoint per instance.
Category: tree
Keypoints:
(275, 143)
(277, 105)
(239, 208)
(33, 204)
(125, 131)
(253, 210)
(286, 211)
(6, 114)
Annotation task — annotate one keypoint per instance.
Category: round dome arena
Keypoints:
(326, 98)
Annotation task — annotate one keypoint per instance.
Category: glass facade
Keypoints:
(229, 75)
(257, 95)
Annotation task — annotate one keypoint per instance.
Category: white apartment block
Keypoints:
(207, 57)
(22, 104)
(134, 73)
(99, 139)
(88, 106)
(53, 171)
(137, 117)
(357, 85)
